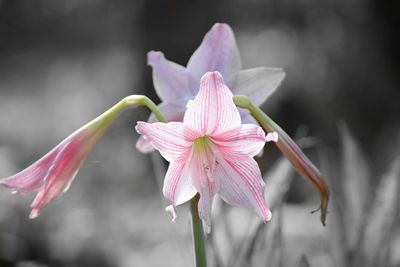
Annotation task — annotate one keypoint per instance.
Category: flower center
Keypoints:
(206, 154)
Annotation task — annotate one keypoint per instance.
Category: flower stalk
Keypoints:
(198, 235)
(134, 101)
(289, 148)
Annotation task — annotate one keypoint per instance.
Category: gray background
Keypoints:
(63, 62)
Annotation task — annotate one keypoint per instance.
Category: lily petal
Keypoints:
(172, 112)
(53, 173)
(172, 82)
(241, 184)
(258, 83)
(205, 207)
(178, 186)
(217, 52)
(172, 139)
(244, 142)
(61, 175)
(32, 177)
(213, 110)
(204, 181)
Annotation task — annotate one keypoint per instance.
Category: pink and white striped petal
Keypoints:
(178, 186)
(258, 83)
(61, 176)
(173, 82)
(202, 168)
(173, 139)
(213, 110)
(53, 173)
(217, 52)
(243, 142)
(31, 178)
(241, 185)
(172, 112)
(205, 207)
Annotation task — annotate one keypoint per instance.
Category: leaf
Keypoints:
(336, 236)
(304, 262)
(381, 217)
(356, 189)
(278, 181)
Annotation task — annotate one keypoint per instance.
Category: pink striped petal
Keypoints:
(213, 110)
(172, 112)
(217, 52)
(258, 83)
(173, 83)
(172, 139)
(32, 178)
(205, 207)
(62, 174)
(178, 186)
(241, 184)
(243, 142)
(202, 167)
(53, 173)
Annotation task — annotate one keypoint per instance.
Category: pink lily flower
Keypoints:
(53, 173)
(176, 85)
(211, 152)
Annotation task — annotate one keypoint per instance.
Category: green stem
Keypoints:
(198, 235)
(289, 148)
(132, 101)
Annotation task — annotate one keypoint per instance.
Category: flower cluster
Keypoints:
(208, 142)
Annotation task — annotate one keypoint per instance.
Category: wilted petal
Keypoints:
(213, 110)
(172, 112)
(32, 177)
(258, 83)
(53, 173)
(290, 149)
(217, 52)
(243, 142)
(173, 83)
(173, 139)
(178, 186)
(240, 184)
(62, 174)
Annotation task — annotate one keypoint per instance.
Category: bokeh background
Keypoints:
(63, 62)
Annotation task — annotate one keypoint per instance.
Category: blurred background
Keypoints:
(63, 62)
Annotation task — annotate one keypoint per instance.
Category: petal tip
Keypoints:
(144, 146)
(154, 56)
(212, 76)
(267, 216)
(139, 126)
(272, 136)
(172, 211)
(34, 214)
(221, 28)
